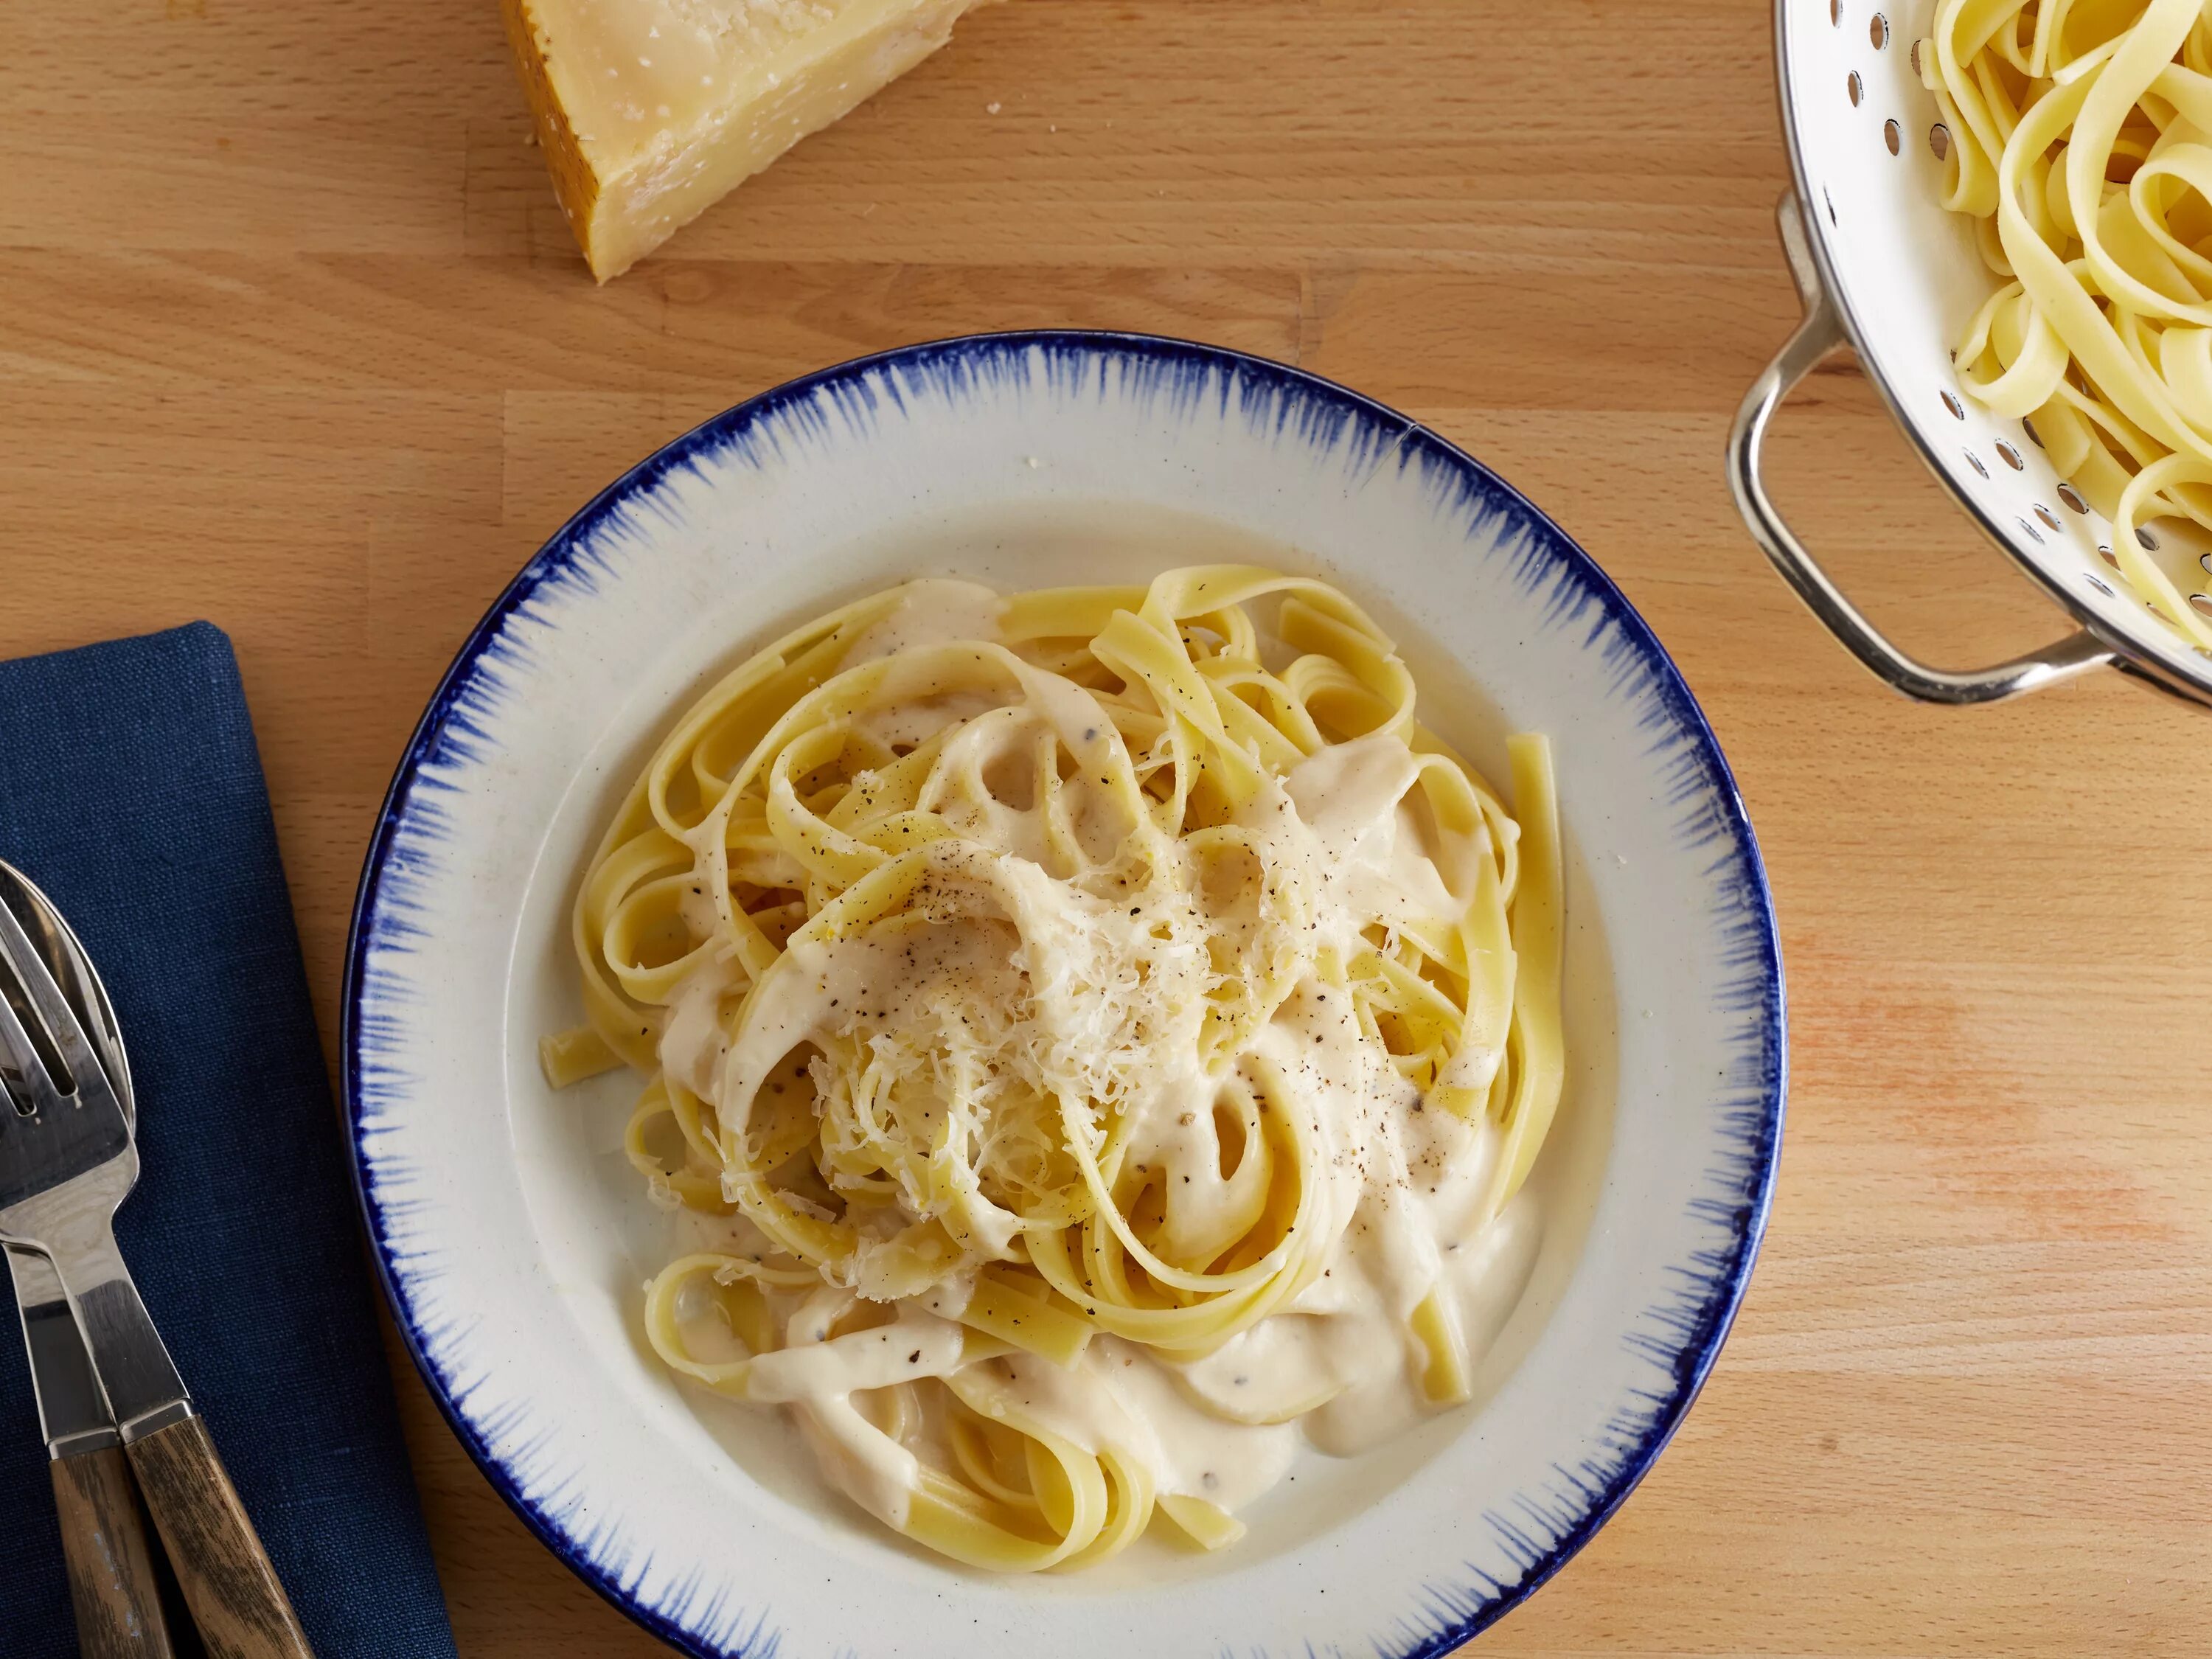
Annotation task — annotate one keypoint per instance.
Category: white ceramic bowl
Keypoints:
(513, 1239)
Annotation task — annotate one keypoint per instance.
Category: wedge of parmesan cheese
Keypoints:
(651, 110)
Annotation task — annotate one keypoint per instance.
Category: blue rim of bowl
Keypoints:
(1691, 1362)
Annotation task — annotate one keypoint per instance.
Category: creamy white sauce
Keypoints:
(1383, 862)
(938, 610)
(691, 1041)
(1196, 1452)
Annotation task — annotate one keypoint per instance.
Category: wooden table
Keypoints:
(293, 336)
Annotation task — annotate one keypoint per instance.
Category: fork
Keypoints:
(104, 1551)
(64, 1167)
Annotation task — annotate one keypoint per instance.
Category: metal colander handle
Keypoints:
(1820, 334)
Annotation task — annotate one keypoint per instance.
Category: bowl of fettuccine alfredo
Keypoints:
(1064, 991)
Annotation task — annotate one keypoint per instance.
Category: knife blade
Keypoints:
(72, 1411)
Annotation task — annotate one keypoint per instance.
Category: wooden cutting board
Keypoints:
(292, 336)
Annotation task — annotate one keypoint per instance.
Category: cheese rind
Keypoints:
(651, 110)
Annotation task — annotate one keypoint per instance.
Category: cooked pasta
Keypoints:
(1089, 1036)
(2080, 142)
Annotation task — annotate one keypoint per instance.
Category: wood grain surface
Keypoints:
(110, 1573)
(292, 336)
(240, 1609)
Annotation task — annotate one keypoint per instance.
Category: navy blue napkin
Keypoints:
(130, 790)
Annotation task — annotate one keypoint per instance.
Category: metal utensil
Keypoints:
(110, 1571)
(64, 1167)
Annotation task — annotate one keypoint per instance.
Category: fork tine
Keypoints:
(16, 1044)
(31, 972)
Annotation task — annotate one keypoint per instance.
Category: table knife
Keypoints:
(110, 1571)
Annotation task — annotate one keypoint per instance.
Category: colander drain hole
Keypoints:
(1939, 139)
(1892, 135)
(2072, 497)
(1854, 88)
(1878, 31)
(2010, 456)
(1975, 462)
(1950, 402)
(2050, 519)
(2098, 583)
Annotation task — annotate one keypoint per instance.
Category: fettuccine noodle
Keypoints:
(2081, 141)
(1089, 1036)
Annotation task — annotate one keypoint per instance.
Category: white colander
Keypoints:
(1882, 269)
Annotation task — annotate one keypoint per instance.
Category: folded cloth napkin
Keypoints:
(130, 790)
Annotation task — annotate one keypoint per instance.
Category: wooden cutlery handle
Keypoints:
(241, 1610)
(111, 1576)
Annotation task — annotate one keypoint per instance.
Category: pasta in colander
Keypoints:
(2080, 142)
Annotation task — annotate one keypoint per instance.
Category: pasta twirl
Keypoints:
(2080, 142)
(1091, 1036)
